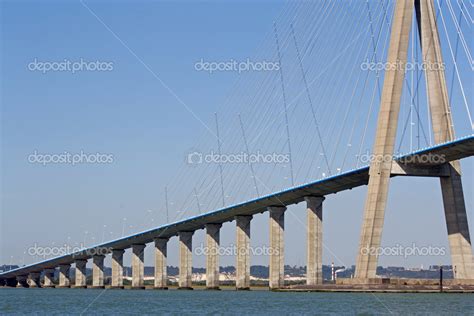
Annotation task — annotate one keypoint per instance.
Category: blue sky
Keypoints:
(149, 112)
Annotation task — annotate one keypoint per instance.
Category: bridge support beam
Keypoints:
(242, 278)
(212, 256)
(380, 169)
(98, 271)
(138, 267)
(81, 274)
(443, 129)
(161, 253)
(117, 269)
(277, 243)
(314, 243)
(185, 260)
(64, 280)
(34, 279)
(22, 281)
(48, 275)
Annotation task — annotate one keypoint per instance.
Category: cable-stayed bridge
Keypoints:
(348, 85)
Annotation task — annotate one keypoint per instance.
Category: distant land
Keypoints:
(292, 273)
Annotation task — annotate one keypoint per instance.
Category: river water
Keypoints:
(259, 302)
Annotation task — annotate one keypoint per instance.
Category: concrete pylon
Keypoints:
(161, 253)
(34, 279)
(98, 271)
(138, 266)
(212, 256)
(380, 169)
(81, 276)
(185, 260)
(48, 275)
(117, 269)
(64, 280)
(443, 129)
(314, 243)
(242, 277)
(277, 244)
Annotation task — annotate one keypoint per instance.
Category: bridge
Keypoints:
(439, 160)
(412, 164)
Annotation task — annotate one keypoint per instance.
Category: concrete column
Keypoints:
(314, 243)
(81, 276)
(64, 280)
(185, 260)
(117, 268)
(277, 243)
(138, 267)
(98, 271)
(212, 257)
(380, 169)
(34, 279)
(242, 273)
(161, 276)
(22, 281)
(48, 277)
(443, 131)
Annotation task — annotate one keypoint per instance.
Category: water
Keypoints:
(172, 302)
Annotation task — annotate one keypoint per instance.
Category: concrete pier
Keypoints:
(277, 243)
(64, 280)
(380, 169)
(80, 277)
(314, 243)
(443, 130)
(242, 278)
(212, 256)
(98, 271)
(138, 267)
(117, 269)
(161, 253)
(34, 279)
(185, 260)
(22, 281)
(48, 275)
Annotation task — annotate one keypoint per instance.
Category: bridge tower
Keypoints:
(380, 171)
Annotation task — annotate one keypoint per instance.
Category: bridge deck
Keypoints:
(455, 150)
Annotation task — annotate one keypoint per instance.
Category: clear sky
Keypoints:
(152, 108)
